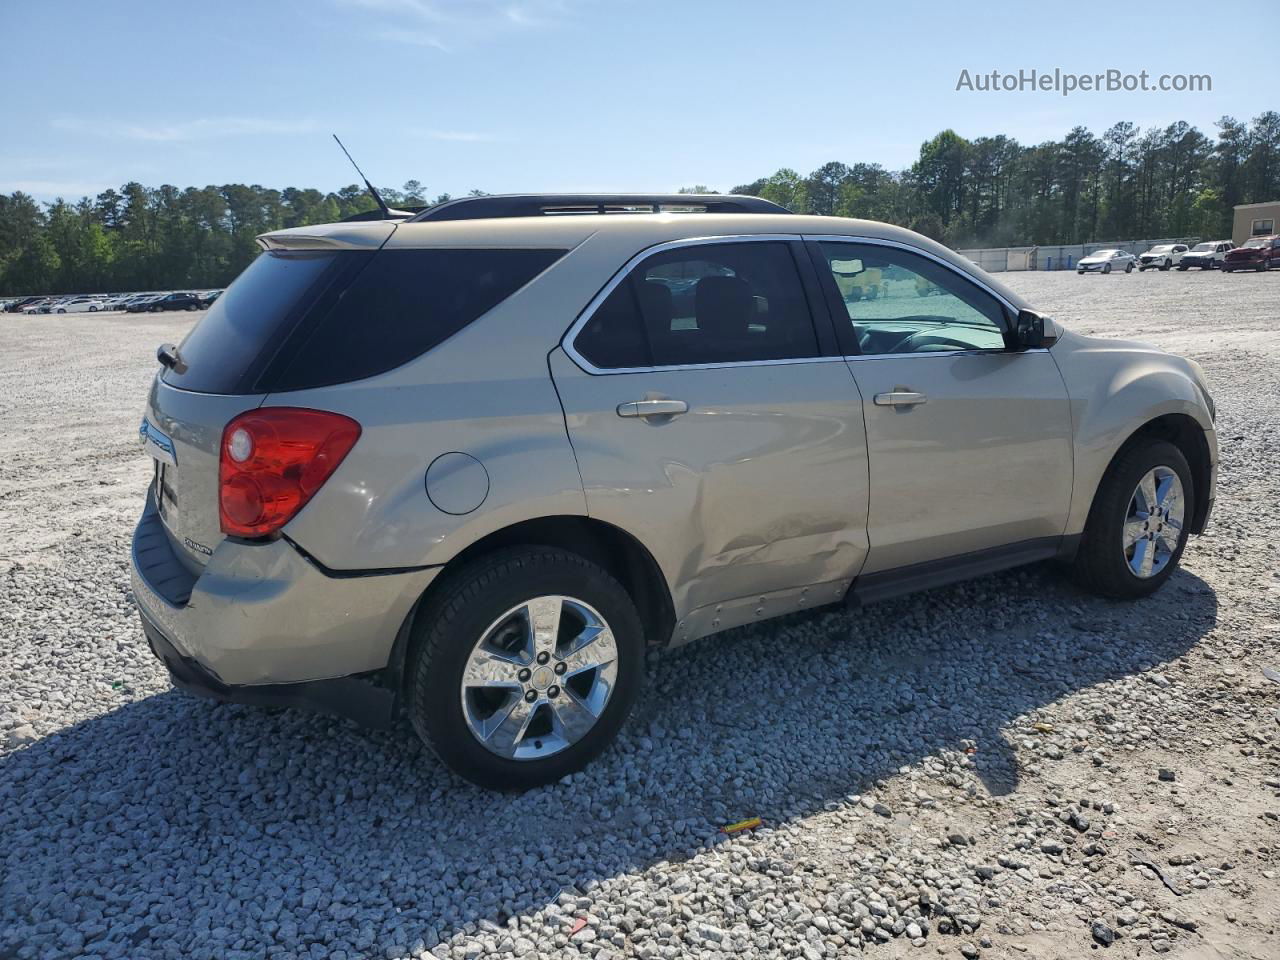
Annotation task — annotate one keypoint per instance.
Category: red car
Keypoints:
(1256, 253)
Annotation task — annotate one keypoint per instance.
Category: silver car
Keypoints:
(1105, 261)
(466, 468)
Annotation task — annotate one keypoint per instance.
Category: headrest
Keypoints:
(655, 304)
(723, 305)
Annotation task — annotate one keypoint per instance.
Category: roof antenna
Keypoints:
(387, 212)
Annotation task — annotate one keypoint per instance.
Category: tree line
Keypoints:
(1125, 183)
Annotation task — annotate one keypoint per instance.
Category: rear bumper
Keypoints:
(262, 614)
(358, 699)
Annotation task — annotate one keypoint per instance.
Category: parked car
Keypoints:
(1256, 253)
(208, 299)
(20, 306)
(1162, 257)
(1206, 256)
(177, 301)
(79, 305)
(371, 515)
(1104, 261)
(143, 304)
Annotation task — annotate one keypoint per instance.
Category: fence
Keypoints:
(1061, 257)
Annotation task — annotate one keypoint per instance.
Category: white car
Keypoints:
(1206, 256)
(1162, 257)
(1104, 261)
(79, 305)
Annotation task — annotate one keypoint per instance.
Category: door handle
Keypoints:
(652, 408)
(900, 398)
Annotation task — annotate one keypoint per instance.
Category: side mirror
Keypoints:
(1034, 330)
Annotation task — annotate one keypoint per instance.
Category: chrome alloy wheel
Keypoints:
(539, 678)
(1153, 524)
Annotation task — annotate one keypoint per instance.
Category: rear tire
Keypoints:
(1128, 267)
(480, 616)
(1103, 564)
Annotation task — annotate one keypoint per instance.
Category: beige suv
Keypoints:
(468, 466)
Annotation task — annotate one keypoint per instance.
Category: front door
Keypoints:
(707, 421)
(969, 442)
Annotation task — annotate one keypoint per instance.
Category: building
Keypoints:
(1255, 220)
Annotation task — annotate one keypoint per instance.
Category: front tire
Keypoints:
(1137, 527)
(1106, 268)
(524, 667)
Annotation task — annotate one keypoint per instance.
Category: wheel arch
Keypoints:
(620, 553)
(1185, 433)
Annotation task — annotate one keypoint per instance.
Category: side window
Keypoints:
(901, 302)
(707, 303)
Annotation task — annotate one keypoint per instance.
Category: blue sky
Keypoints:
(510, 95)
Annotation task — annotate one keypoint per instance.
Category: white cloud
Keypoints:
(458, 136)
(48, 189)
(439, 23)
(416, 38)
(203, 128)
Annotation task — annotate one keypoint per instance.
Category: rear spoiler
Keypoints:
(357, 236)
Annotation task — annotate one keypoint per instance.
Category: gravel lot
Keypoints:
(974, 771)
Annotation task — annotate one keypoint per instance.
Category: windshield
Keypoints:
(1163, 248)
(1202, 248)
(1255, 242)
(1104, 253)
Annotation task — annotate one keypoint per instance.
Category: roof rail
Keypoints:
(561, 204)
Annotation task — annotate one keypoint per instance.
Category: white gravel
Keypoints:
(973, 772)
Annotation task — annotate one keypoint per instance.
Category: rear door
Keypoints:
(969, 442)
(709, 419)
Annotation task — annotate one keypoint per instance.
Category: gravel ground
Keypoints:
(1004, 768)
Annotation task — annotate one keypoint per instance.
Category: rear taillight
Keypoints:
(272, 461)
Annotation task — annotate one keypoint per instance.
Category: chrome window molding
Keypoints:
(566, 342)
(942, 354)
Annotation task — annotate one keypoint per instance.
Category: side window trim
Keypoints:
(793, 242)
(836, 305)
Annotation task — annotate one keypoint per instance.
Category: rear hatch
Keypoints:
(228, 363)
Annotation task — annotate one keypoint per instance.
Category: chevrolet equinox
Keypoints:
(467, 466)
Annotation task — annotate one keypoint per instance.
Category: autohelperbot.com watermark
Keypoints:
(1066, 83)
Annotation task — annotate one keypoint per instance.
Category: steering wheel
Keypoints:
(925, 340)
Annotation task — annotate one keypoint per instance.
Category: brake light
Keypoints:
(273, 460)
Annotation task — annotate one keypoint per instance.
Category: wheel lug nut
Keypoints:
(553, 691)
(560, 669)
(544, 657)
(524, 675)
(531, 696)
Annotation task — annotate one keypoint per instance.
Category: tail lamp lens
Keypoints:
(273, 460)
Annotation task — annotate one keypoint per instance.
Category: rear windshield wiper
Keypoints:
(169, 357)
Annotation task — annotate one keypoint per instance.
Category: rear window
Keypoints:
(293, 321)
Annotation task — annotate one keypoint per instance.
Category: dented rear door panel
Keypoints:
(760, 487)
